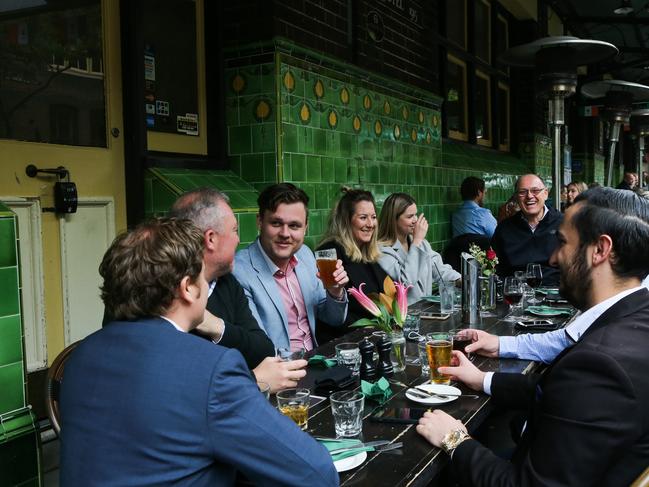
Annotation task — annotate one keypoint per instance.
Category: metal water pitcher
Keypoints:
(470, 289)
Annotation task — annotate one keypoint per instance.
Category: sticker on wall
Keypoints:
(318, 89)
(332, 119)
(187, 124)
(356, 124)
(149, 108)
(405, 113)
(386, 107)
(367, 102)
(149, 67)
(397, 132)
(378, 128)
(289, 81)
(162, 108)
(305, 113)
(150, 121)
(238, 83)
(421, 117)
(262, 110)
(344, 96)
(413, 135)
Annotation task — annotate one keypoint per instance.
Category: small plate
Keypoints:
(543, 312)
(350, 462)
(437, 388)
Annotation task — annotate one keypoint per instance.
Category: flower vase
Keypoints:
(398, 353)
(487, 292)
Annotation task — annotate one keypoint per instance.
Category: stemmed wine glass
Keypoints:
(512, 294)
(534, 277)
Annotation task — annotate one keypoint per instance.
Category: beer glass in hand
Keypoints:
(533, 277)
(512, 294)
(326, 262)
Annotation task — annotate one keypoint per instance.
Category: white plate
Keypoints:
(437, 388)
(544, 312)
(350, 462)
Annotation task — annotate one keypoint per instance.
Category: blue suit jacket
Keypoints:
(252, 271)
(145, 404)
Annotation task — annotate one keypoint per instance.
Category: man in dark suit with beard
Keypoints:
(588, 413)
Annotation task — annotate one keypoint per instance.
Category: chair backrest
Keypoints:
(642, 480)
(461, 244)
(53, 385)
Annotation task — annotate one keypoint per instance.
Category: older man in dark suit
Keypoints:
(588, 413)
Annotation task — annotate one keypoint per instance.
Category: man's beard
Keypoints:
(576, 281)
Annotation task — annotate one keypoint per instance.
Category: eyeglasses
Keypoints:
(534, 191)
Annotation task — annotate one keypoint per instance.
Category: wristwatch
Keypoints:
(452, 440)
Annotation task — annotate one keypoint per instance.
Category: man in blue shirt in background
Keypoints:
(471, 217)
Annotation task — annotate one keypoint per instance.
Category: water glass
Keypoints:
(446, 296)
(423, 356)
(294, 403)
(286, 354)
(349, 355)
(412, 322)
(347, 410)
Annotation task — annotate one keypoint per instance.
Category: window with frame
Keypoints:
(502, 41)
(482, 29)
(503, 117)
(456, 101)
(482, 104)
(456, 22)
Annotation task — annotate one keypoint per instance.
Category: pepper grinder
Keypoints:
(368, 371)
(384, 367)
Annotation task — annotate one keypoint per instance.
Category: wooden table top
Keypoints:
(417, 462)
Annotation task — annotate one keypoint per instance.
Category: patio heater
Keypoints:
(556, 60)
(640, 128)
(618, 97)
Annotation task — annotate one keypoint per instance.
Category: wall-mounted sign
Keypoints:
(408, 9)
(187, 124)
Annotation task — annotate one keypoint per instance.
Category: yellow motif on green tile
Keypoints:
(386, 107)
(262, 110)
(356, 124)
(413, 135)
(405, 113)
(367, 102)
(421, 117)
(378, 128)
(238, 83)
(305, 113)
(429, 137)
(332, 119)
(344, 96)
(435, 121)
(318, 89)
(289, 81)
(397, 132)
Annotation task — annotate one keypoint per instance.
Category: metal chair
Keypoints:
(53, 385)
(642, 480)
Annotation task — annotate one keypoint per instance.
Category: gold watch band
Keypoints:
(453, 439)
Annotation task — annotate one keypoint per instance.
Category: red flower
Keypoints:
(491, 254)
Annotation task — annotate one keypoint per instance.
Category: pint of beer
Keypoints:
(438, 347)
(326, 262)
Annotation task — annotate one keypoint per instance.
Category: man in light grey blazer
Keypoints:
(279, 275)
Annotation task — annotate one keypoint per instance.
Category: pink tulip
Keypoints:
(364, 301)
(402, 298)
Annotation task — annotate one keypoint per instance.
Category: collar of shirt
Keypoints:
(271, 265)
(174, 324)
(545, 212)
(578, 327)
(210, 290)
(470, 204)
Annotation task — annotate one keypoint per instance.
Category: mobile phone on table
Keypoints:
(403, 415)
(536, 325)
(434, 316)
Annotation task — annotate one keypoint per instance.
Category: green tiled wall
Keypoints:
(12, 372)
(592, 168)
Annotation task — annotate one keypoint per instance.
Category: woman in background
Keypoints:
(574, 188)
(352, 232)
(407, 255)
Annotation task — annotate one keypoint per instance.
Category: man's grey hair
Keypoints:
(518, 179)
(202, 207)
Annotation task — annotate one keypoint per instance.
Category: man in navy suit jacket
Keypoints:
(588, 413)
(143, 402)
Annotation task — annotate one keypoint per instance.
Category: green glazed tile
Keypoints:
(340, 170)
(321, 196)
(263, 137)
(270, 168)
(289, 138)
(240, 141)
(10, 340)
(298, 164)
(9, 304)
(7, 242)
(13, 387)
(247, 226)
(320, 141)
(252, 167)
(327, 168)
(313, 169)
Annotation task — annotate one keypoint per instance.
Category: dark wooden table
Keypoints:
(418, 462)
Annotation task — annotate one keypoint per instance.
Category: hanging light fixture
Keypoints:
(625, 8)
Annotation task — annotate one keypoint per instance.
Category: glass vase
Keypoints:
(398, 353)
(487, 292)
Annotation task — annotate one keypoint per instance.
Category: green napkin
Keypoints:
(322, 361)
(379, 391)
(549, 310)
(335, 445)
